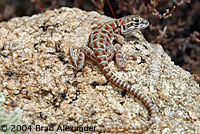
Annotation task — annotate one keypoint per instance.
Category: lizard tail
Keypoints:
(145, 99)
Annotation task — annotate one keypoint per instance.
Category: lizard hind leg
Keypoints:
(110, 53)
(77, 61)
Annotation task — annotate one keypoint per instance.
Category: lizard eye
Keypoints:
(137, 21)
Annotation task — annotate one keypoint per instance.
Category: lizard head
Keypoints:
(133, 23)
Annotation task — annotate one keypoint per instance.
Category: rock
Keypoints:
(35, 69)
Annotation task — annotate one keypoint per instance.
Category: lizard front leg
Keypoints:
(120, 58)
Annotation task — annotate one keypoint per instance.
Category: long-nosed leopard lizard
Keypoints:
(100, 48)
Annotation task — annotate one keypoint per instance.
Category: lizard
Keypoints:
(101, 49)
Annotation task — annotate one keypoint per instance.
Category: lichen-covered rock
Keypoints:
(36, 73)
(9, 120)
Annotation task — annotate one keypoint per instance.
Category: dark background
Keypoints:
(180, 39)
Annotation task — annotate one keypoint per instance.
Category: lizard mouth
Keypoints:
(128, 30)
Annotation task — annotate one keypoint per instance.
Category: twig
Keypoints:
(113, 14)
(37, 3)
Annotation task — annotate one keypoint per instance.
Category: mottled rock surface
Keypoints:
(36, 75)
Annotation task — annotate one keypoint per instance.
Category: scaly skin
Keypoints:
(101, 49)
